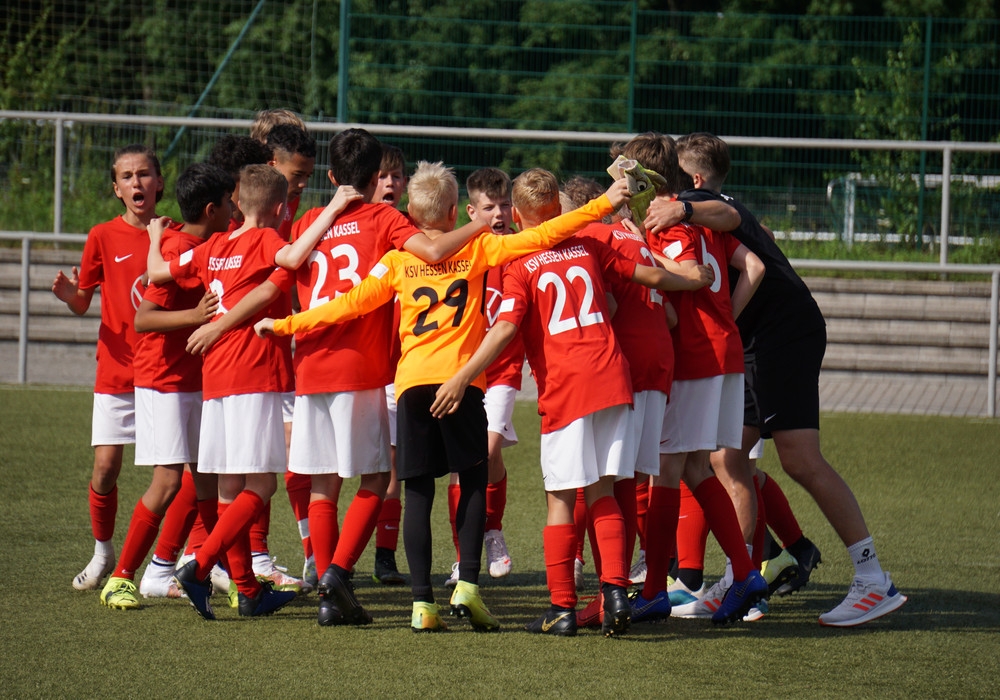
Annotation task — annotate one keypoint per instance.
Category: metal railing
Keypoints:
(27, 238)
(943, 179)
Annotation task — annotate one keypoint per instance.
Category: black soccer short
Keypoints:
(429, 446)
(783, 384)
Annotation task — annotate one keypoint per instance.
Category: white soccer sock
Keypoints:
(866, 563)
(104, 549)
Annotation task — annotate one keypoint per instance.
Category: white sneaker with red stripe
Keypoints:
(705, 605)
(868, 599)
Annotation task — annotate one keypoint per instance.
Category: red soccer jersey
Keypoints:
(285, 229)
(640, 323)
(357, 354)
(240, 362)
(556, 299)
(706, 340)
(114, 257)
(506, 369)
(161, 361)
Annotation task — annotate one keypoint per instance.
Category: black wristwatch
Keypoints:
(688, 211)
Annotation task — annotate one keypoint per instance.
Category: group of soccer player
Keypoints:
(666, 337)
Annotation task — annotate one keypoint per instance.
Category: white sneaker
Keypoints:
(496, 554)
(757, 612)
(453, 579)
(158, 581)
(703, 606)
(637, 574)
(90, 579)
(220, 579)
(865, 601)
(578, 573)
(265, 567)
(680, 594)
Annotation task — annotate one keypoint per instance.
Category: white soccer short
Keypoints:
(757, 451)
(345, 433)
(648, 421)
(703, 414)
(167, 426)
(390, 404)
(597, 445)
(113, 420)
(499, 402)
(242, 434)
(287, 406)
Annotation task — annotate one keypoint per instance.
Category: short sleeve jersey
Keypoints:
(114, 258)
(706, 340)
(557, 300)
(356, 355)
(782, 309)
(161, 359)
(640, 323)
(442, 305)
(240, 362)
(506, 369)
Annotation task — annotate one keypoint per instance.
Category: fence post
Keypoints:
(991, 390)
(57, 205)
(22, 321)
(945, 202)
(343, 60)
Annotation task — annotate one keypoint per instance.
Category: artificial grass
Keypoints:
(926, 485)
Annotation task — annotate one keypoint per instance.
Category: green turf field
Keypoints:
(928, 486)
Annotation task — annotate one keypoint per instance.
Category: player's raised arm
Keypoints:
(294, 254)
(157, 269)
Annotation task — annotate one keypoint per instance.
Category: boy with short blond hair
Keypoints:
(439, 330)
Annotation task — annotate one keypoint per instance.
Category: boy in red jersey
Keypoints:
(168, 382)
(293, 154)
(441, 326)
(242, 436)
(114, 259)
(556, 299)
(704, 414)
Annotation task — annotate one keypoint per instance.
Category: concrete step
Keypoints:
(893, 332)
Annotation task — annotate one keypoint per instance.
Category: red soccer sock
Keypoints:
(580, 522)
(625, 496)
(140, 537)
(325, 532)
(359, 522)
(454, 494)
(641, 509)
(178, 521)
(259, 529)
(496, 504)
(387, 528)
(721, 517)
(298, 487)
(692, 532)
(760, 526)
(234, 522)
(779, 513)
(595, 549)
(661, 524)
(560, 551)
(103, 511)
(609, 527)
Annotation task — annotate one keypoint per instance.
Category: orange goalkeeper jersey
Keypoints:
(442, 305)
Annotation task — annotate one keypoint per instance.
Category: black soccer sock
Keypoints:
(417, 535)
(470, 521)
(692, 578)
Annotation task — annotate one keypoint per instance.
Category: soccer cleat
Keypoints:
(329, 614)
(466, 602)
(337, 589)
(119, 593)
(617, 611)
(808, 557)
(702, 607)
(310, 579)
(578, 573)
(740, 597)
(757, 612)
(158, 581)
(220, 579)
(91, 577)
(779, 571)
(266, 602)
(592, 614)
(680, 594)
(497, 556)
(386, 572)
(560, 622)
(276, 575)
(198, 592)
(650, 610)
(865, 601)
(453, 579)
(233, 594)
(427, 618)
(637, 574)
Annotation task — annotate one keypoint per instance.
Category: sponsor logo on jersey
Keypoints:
(121, 258)
(547, 257)
(621, 235)
(233, 262)
(448, 267)
(350, 228)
